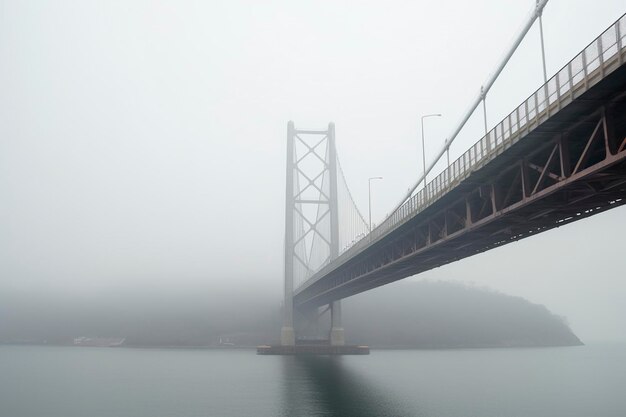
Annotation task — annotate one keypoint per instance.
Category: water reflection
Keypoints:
(325, 386)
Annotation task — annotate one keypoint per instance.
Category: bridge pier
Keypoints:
(287, 333)
(287, 336)
(337, 337)
(311, 187)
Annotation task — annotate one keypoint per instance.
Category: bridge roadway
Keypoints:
(559, 157)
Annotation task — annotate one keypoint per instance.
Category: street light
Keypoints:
(369, 196)
(423, 146)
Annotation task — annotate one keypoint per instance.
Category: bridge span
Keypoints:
(559, 157)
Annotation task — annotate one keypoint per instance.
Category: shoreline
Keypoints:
(397, 348)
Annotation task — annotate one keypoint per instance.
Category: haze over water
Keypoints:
(142, 169)
(97, 382)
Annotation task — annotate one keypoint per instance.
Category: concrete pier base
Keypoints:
(314, 349)
(337, 336)
(287, 336)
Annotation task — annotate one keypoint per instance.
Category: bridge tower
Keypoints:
(311, 218)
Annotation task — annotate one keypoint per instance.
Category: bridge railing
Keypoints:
(601, 56)
(577, 75)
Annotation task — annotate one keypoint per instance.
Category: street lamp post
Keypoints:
(424, 146)
(369, 197)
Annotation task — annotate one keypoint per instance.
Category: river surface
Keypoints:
(46, 381)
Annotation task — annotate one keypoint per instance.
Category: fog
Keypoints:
(142, 143)
(424, 314)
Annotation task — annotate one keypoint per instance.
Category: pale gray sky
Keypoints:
(143, 142)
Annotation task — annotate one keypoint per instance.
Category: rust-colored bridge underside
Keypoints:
(569, 167)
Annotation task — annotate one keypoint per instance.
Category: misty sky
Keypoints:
(142, 143)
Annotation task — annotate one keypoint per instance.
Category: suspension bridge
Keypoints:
(559, 157)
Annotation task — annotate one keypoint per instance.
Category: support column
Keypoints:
(287, 334)
(337, 337)
(336, 329)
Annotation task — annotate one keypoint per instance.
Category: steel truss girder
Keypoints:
(581, 171)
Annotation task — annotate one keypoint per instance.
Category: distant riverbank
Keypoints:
(406, 315)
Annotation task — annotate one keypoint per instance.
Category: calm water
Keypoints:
(93, 382)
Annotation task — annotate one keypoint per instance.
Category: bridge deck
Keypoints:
(559, 157)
